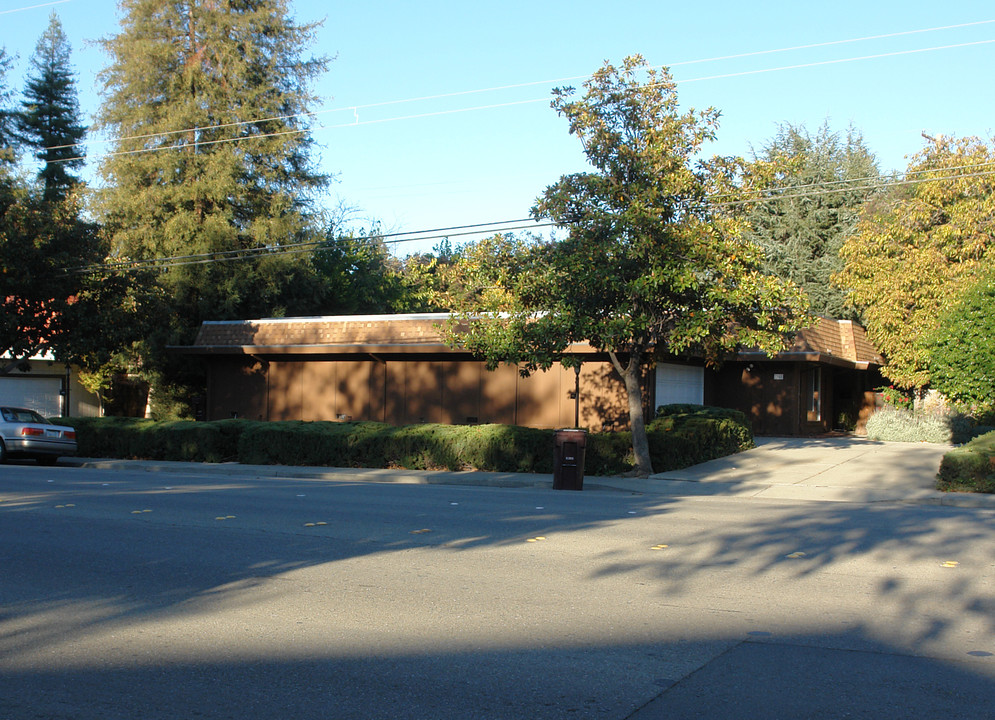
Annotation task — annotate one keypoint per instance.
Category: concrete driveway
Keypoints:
(844, 469)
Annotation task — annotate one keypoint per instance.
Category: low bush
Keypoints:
(892, 424)
(970, 468)
(684, 435)
(681, 436)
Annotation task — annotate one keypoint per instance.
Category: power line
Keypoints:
(789, 193)
(879, 186)
(290, 248)
(33, 7)
(800, 66)
(356, 108)
(876, 180)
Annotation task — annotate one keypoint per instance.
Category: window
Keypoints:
(813, 394)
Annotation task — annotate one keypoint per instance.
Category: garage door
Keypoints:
(41, 394)
(679, 384)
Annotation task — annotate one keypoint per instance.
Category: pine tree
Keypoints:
(6, 116)
(825, 181)
(49, 122)
(208, 101)
(208, 104)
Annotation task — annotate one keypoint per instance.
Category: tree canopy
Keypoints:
(917, 247)
(650, 263)
(823, 181)
(78, 317)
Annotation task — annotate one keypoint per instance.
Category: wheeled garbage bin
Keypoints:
(568, 460)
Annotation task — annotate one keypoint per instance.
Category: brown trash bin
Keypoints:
(568, 459)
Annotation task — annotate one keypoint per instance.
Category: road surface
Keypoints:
(157, 595)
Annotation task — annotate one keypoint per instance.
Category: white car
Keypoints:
(25, 433)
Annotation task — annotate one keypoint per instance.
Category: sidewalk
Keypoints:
(844, 469)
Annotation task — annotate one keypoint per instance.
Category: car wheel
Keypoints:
(3, 452)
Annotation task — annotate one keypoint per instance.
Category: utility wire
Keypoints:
(849, 183)
(495, 227)
(33, 7)
(356, 108)
(884, 185)
(269, 250)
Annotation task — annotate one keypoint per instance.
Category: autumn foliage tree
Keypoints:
(649, 264)
(917, 247)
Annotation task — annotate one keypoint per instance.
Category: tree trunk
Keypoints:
(632, 376)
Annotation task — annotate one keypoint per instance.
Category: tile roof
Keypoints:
(328, 331)
(840, 339)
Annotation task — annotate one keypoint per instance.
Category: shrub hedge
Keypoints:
(680, 436)
(970, 468)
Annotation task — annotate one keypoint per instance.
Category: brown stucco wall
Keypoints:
(404, 390)
(398, 369)
(766, 392)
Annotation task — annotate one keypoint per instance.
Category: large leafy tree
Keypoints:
(48, 306)
(815, 200)
(962, 350)
(918, 246)
(649, 264)
(49, 122)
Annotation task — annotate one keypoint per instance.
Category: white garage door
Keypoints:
(42, 395)
(679, 384)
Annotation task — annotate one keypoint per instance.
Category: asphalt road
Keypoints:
(154, 595)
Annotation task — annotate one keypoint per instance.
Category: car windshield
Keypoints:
(22, 415)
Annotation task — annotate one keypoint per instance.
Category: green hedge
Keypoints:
(970, 467)
(116, 437)
(682, 436)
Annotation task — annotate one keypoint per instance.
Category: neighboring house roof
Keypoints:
(830, 341)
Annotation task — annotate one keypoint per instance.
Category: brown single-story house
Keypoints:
(397, 369)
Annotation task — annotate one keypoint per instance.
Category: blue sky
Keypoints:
(436, 114)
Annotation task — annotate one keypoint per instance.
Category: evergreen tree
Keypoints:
(49, 122)
(6, 116)
(208, 103)
(824, 182)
